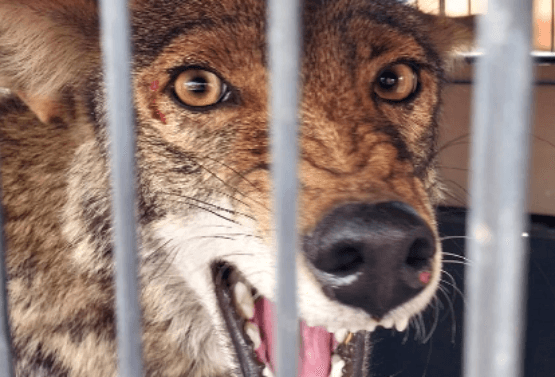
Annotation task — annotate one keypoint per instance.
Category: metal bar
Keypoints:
(442, 7)
(552, 25)
(469, 7)
(6, 366)
(538, 57)
(495, 281)
(117, 58)
(284, 40)
(471, 82)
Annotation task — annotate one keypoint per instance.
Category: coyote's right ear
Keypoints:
(46, 46)
(451, 35)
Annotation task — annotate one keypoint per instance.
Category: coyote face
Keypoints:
(371, 78)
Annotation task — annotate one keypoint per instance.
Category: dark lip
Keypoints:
(249, 364)
(356, 353)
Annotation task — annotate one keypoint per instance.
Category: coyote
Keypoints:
(372, 72)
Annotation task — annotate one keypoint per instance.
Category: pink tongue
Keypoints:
(315, 354)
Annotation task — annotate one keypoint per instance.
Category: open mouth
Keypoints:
(249, 321)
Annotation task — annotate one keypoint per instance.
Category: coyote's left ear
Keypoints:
(46, 48)
(451, 35)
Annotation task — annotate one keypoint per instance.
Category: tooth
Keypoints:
(372, 326)
(401, 324)
(387, 323)
(253, 333)
(244, 300)
(341, 335)
(267, 372)
(337, 364)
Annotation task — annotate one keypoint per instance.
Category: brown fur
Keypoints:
(354, 147)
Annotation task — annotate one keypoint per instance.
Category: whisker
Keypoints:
(240, 234)
(434, 325)
(215, 206)
(449, 261)
(458, 140)
(455, 255)
(229, 196)
(233, 188)
(213, 212)
(215, 209)
(166, 262)
(427, 361)
(234, 171)
(454, 197)
(455, 288)
(452, 284)
(454, 238)
(452, 168)
(463, 189)
(452, 311)
(406, 337)
(237, 255)
(416, 325)
(542, 139)
(422, 326)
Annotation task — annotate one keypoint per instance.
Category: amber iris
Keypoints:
(396, 82)
(198, 88)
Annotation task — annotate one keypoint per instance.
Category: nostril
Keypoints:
(420, 253)
(347, 260)
(340, 258)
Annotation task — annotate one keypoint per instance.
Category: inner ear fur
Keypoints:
(47, 46)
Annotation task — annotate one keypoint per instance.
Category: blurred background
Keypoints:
(542, 15)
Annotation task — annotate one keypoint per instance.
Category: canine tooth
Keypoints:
(253, 333)
(337, 364)
(401, 324)
(267, 372)
(341, 335)
(387, 323)
(244, 300)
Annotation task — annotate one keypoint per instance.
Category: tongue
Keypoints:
(317, 345)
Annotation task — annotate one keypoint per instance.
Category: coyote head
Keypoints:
(371, 75)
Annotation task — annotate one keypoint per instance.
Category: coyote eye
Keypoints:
(199, 88)
(396, 82)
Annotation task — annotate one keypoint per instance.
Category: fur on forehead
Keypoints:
(440, 36)
(49, 46)
(157, 22)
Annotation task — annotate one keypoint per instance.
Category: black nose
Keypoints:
(372, 256)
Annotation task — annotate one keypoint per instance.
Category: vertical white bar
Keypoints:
(496, 279)
(117, 61)
(6, 366)
(284, 51)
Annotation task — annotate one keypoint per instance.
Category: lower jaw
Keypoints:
(320, 355)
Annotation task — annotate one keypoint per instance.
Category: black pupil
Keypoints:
(197, 85)
(388, 80)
